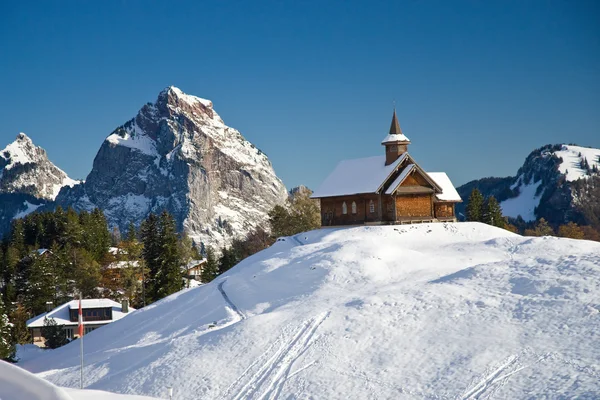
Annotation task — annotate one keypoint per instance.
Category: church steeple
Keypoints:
(395, 142)
(395, 127)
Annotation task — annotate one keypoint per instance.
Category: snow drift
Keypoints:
(456, 311)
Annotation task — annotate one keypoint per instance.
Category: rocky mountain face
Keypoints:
(28, 180)
(177, 154)
(560, 183)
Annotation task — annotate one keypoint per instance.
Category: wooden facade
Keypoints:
(407, 194)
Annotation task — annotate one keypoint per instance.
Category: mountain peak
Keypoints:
(25, 168)
(175, 96)
(22, 137)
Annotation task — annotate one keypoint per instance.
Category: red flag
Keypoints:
(80, 319)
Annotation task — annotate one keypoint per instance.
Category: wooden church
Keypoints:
(390, 189)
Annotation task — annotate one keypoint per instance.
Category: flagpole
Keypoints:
(81, 342)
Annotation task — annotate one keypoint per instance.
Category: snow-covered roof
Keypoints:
(395, 138)
(400, 178)
(361, 175)
(194, 263)
(61, 313)
(449, 192)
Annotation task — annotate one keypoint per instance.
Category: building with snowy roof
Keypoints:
(95, 312)
(386, 189)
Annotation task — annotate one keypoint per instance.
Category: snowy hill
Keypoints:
(177, 154)
(556, 182)
(445, 311)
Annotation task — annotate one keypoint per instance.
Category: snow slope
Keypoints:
(18, 384)
(442, 311)
(572, 157)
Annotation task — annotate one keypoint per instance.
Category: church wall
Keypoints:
(332, 210)
(444, 210)
(414, 205)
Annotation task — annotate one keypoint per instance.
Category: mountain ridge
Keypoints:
(178, 154)
(556, 182)
(28, 180)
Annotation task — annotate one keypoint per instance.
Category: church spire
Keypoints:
(395, 127)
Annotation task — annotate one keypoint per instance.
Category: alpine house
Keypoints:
(389, 189)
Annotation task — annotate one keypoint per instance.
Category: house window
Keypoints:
(353, 207)
(371, 207)
(88, 330)
(344, 208)
(69, 333)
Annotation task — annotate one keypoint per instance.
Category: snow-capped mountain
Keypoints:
(26, 169)
(28, 180)
(431, 311)
(177, 154)
(560, 183)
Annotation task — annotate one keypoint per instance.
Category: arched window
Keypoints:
(353, 207)
(371, 207)
(344, 208)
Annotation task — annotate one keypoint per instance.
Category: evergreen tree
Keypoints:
(227, 260)
(169, 278)
(19, 319)
(40, 286)
(7, 346)
(492, 213)
(150, 253)
(211, 267)
(53, 334)
(475, 206)
(131, 232)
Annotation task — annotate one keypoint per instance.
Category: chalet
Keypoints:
(387, 189)
(95, 312)
(193, 269)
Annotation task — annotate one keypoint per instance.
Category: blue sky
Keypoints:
(477, 84)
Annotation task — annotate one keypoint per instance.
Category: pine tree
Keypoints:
(19, 319)
(40, 287)
(475, 206)
(492, 213)
(7, 346)
(131, 232)
(169, 278)
(150, 254)
(228, 259)
(211, 267)
(53, 334)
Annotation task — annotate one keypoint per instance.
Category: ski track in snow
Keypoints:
(229, 302)
(272, 372)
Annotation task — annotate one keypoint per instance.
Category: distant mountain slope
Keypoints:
(556, 182)
(26, 169)
(177, 154)
(28, 180)
(432, 311)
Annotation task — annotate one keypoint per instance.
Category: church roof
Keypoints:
(449, 192)
(361, 175)
(370, 175)
(395, 127)
(395, 134)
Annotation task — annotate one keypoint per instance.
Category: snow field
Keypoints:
(457, 311)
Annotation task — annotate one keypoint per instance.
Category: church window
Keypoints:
(371, 207)
(344, 208)
(353, 207)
